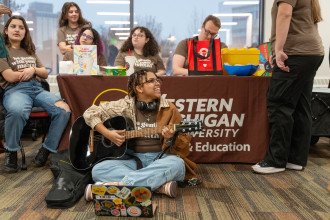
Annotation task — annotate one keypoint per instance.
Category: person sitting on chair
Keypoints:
(210, 28)
(88, 36)
(20, 78)
(140, 51)
(145, 107)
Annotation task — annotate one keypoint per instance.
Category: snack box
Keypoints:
(114, 70)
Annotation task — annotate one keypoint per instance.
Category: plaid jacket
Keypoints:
(167, 114)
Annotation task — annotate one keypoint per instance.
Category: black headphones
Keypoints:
(143, 106)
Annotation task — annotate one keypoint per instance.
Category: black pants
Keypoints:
(289, 111)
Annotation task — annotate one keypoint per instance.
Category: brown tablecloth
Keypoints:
(233, 110)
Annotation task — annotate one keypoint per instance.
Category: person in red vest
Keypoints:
(209, 29)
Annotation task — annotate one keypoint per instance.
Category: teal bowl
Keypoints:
(243, 70)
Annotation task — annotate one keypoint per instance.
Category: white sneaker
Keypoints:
(293, 166)
(170, 189)
(88, 193)
(264, 168)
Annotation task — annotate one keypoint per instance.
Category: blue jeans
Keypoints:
(153, 174)
(18, 101)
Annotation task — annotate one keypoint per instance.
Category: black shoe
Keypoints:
(41, 158)
(11, 161)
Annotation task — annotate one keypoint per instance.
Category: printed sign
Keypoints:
(85, 59)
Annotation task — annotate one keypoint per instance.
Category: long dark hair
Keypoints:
(316, 11)
(96, 41)
(26, 42)
(151, 48)
(63, 21)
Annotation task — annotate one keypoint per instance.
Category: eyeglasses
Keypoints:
(154, 81)
(89, 37)
(138, 35)
(207, 33)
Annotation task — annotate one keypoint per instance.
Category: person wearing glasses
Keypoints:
(143, 164)
(70, 22)
(21, 72)
(209, 29)
(89, 36)
(140, 51)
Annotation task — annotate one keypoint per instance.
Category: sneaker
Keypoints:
(293, 166)
(264, 168)
(88, 193)
(170, 189)
(88, 190)
(193, 182)
(42, 157)
(11, 161)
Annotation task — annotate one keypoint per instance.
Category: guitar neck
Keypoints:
(141, 133)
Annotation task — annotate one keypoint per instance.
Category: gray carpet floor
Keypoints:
(228, 191)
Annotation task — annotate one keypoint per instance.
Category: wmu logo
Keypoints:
(109, 95)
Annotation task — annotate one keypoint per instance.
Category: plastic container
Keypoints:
(241, 56)
(114, 70)
(240, 70)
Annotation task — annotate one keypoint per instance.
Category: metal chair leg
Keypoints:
(23, 167)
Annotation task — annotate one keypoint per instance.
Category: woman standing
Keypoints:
(140, 51)
(70, 23)
(298, 53)
(89, 36)
(20, 74)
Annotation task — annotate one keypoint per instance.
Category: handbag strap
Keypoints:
(195, 39)
(214, 58)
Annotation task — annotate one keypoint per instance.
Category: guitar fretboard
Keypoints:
(143, 132)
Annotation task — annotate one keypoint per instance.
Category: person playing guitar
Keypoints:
(162, 156)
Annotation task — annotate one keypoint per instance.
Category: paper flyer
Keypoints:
(85, 59)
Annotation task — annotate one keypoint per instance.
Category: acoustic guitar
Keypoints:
(84, 155)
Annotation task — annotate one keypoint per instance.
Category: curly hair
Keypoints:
(26, 42)
(137, 78)
(96, 40)
(63, 21)
(151, 48)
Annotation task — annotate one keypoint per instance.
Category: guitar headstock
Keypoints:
(189, 126)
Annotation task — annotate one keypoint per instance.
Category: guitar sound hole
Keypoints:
(106, 142)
